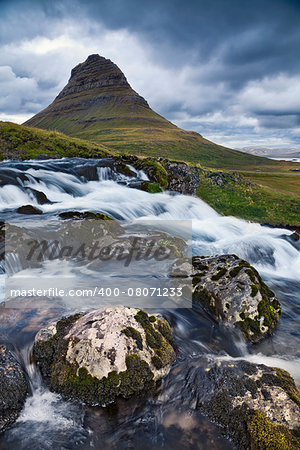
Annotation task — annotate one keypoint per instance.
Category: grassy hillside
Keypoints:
(21, 142)
(251, 199)
(288, 183)
(271, 197)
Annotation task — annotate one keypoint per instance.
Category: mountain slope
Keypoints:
(98, 104)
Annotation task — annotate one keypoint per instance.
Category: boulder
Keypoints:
(79, 215)
(258, 406)
(232, 291)
(182, 177)
(41, 198)
(29, 209)
(153, 188)
(99, 356)
(13, 388)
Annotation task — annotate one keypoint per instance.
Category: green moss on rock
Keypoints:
(157, 362)
(135, 335)
(265, 435)
(281, 378)
(254, 290)
(250, 328)
(165, 329)
(137, 378)
(74, 382)
(152, 188)
(219, 274)
(236, 270)
(159, 337)
(155, 172)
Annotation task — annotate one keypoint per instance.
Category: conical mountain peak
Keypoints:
(96, 72)
(97, 94)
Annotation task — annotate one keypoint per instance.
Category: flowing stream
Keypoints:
(168, 419)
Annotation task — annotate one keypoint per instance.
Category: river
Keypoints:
(47, 421)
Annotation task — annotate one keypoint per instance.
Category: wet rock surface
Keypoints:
(232, 291)
(28, 210)
(258, 406)
(110, 352)
(13, 387)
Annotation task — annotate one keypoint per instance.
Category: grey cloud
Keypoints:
(202, 56)
(279, 121)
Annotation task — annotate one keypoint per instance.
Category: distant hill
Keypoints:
(272, 152)
(99, 105)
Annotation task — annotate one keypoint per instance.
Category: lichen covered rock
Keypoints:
(107, 353)
(232, 291)
(13, 388)
(258, 405)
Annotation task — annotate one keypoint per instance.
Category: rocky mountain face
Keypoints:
(99, 72)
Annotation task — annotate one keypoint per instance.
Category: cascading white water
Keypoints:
(212, 233)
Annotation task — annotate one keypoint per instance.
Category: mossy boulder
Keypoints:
(257, 405)
(13, 388)
(232, 291)
(151, 166)
(152, 188)
(99, 356)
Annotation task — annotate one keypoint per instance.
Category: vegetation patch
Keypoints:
(22, 142)
(282, 379)
(264, 434)
(219, 274)
(152, 188)
(240, 197)
(159, 337)
(135, 335)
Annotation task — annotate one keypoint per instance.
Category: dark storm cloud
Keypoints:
(220, 60)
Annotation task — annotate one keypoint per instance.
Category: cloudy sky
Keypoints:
(229, 69)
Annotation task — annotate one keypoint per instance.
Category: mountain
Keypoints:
(284, 152)
(98, 104)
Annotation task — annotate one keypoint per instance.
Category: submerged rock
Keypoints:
(13, 388)
(107, 353)
(232, 291)
(258, 405)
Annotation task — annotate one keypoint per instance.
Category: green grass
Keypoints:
(21, 142)
(285, 183)
(242, 198)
